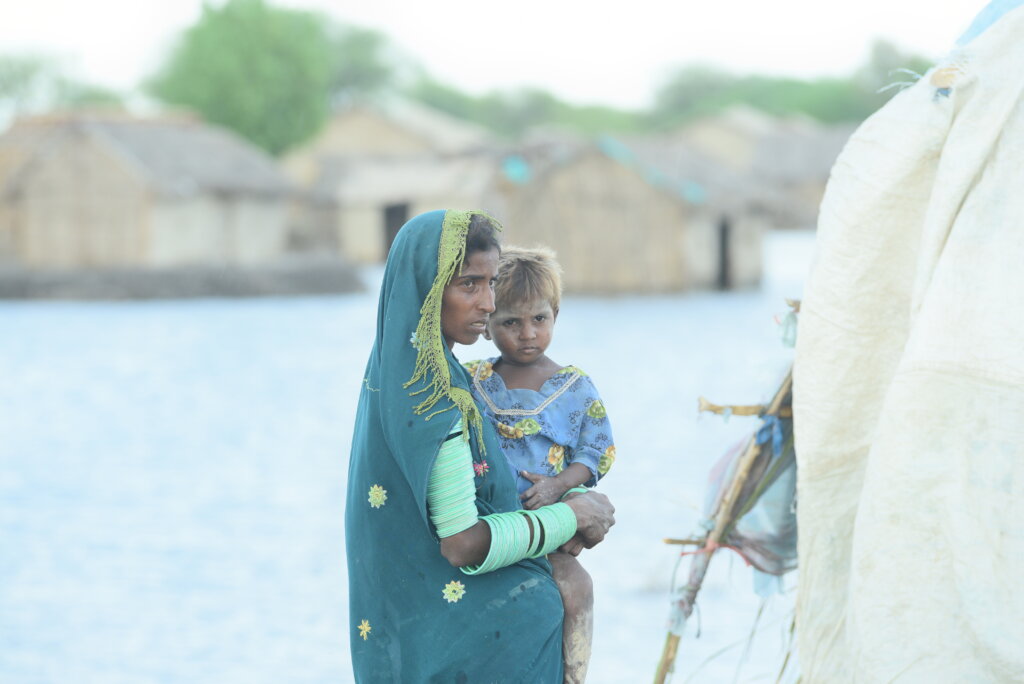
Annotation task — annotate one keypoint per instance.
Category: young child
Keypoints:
(550, 420)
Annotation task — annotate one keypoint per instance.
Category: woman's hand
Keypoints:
(594, 517)
(545, 491)
(574, 546)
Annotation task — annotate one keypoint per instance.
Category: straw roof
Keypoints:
(747, 161)
(796, 151)
(700, 179)
(445, 133)
(728, 137)
(791, 148)
(381, 181)
(423, 130)
(176, 156)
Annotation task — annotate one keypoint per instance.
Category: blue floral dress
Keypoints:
(544, 431)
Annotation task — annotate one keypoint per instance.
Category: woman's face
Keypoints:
(468, 300)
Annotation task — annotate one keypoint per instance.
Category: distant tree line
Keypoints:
(691, 92)
(697, 91)
(37, 83)
(274, 74)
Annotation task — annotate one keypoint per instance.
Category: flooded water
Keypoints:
(172, 479)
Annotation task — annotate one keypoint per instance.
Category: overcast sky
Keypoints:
(586, 51)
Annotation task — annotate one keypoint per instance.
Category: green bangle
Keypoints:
(450, 490)
(560, 526)
(558, 523)
(581, 490)
(510, 541)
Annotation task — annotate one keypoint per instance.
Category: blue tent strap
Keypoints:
(771, 428)
(992, 13)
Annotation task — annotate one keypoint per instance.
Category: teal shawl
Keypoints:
(414, 617)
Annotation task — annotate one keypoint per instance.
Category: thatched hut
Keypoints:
(360, 176)
(729, 137)
(728, 217)
(375, 198)
(795, 160)
(779, 166)
(614, 228)
(87, 190)
(393, 128)
(618, 223)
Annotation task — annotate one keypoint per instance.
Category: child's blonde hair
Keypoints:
(526, 275)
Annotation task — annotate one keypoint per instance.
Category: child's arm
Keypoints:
(549, 490)
(595, 447)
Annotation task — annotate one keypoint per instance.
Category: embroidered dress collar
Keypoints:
(573, 373)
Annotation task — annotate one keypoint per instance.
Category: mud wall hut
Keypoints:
(91, 190)
(729, 214)
(618, 223)
(613, 229)
(376, 197)
(355, 152)
(779, 165)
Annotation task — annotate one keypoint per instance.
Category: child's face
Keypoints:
(522, 332)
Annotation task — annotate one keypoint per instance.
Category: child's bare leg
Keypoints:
(577, 591)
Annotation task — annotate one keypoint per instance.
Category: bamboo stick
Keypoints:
(723, 518)
(739, 410)
(750, 410)
(668, 658)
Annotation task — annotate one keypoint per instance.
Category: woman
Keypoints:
(426, 606)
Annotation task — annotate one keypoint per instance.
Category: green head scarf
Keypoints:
(413, 616)
(409, 326)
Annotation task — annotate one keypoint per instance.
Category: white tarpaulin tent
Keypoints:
(909, 383)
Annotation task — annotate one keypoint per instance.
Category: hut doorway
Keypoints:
(395, 216)
(724, 280)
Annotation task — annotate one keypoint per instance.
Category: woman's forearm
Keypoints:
(480, 545)
(502, 539)
(468, 547)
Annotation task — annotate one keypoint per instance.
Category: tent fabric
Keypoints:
(909, 384)
(765, 535)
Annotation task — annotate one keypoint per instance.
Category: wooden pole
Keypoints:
(723, 517)
(668, 658)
